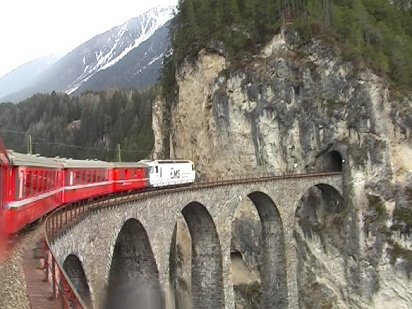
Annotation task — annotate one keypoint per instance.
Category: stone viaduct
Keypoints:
(133, 243)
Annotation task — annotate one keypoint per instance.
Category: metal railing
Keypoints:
(65, 217)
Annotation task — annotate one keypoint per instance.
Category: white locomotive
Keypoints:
(170, 172)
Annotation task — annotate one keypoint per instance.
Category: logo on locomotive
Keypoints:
(174, 174)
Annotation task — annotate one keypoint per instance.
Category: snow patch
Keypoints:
(120, 42)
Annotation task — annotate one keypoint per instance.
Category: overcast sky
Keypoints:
(30, 29)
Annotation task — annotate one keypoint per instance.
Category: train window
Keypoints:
(27, 183)
(38, 182)
(43, 181)
(157, 169)
(35, 182)
(20, 183)
(40, 178)
(49, 180)
(24, 184)
(46, 180)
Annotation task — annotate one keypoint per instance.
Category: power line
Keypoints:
(74, 146)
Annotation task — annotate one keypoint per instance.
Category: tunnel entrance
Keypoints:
(74, 270)
(134, 277)
(196, 272)
(321, 232)
(332, 161)
(258, 254)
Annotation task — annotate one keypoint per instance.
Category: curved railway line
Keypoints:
(50, 283)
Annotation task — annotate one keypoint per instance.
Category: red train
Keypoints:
(32, 186)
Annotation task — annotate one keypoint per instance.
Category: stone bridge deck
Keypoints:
(136, 242)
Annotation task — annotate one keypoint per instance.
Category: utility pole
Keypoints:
(119, 154)
(29, 145)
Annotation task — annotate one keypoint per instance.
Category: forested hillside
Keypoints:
(377, 33)
(86, 126)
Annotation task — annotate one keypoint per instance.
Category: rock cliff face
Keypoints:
(300, 108)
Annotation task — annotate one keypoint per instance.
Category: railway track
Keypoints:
(55, 281)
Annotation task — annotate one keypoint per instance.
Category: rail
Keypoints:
(65, 217)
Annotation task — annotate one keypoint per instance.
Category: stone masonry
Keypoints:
(208, 213)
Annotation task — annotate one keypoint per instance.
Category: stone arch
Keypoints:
(272, 258)
(206, 282)
(321, 234)
(180, 265)
(75, 271)
(134, 276)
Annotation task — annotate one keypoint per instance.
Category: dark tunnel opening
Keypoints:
(330, 162)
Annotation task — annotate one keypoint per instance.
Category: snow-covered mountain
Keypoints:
(126, 56)
(24, 75)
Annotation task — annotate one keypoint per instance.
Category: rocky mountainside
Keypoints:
(287, 110)
(126, 56)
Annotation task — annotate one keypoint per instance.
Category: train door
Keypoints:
(3, 193)
(4, 162)
(2, 187)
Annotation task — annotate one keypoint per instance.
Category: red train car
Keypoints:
(33, 189)
(4, 163)
(32, 186)
(128, 176)
(85, 179)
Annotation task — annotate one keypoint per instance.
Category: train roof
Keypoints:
(73, 163)
(128, 165)
(165, 161)
(21, 159)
